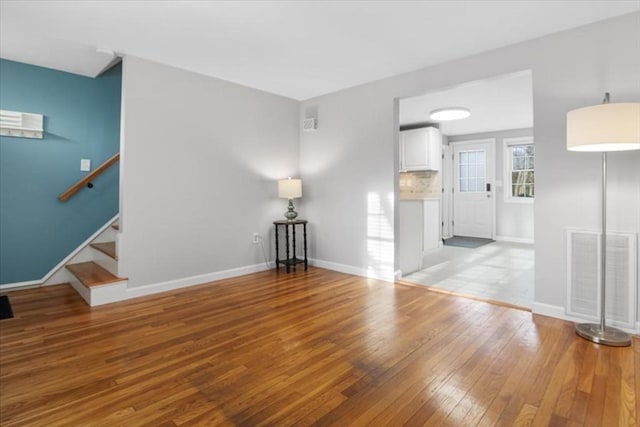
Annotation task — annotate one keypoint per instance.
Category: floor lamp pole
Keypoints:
(603, 245)
(601, 334)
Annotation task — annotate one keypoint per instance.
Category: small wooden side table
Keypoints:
(291, 260)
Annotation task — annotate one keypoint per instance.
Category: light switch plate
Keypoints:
(85, 165)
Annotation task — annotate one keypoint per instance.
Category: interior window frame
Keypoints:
(508, 145)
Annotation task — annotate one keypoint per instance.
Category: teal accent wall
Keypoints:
(81, 120)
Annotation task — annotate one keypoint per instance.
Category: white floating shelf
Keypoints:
(21, 125)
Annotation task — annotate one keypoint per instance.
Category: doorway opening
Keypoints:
(466, 220)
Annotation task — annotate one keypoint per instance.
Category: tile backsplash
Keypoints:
(420, 185)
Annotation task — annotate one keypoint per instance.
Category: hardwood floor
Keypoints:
(314, 348)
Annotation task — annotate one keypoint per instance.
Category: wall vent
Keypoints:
(583, 277)
(309, 125)
(21, 125)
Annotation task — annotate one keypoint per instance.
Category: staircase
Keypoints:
(93, 266)
(94, 273)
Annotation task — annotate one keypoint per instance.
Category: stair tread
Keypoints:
(91, 274)
(108, 248)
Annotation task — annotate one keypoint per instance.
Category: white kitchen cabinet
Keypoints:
(419, 232)
(411, 235)
(421, 149)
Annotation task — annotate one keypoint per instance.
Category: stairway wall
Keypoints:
(82, 120)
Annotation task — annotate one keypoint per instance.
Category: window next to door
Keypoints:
(519, 156)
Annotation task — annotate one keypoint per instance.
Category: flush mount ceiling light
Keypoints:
(449, 113)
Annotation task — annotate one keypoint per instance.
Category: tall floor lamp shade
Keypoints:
(602, 128)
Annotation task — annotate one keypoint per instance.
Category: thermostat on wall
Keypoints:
(21, 125)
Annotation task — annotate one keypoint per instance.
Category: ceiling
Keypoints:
(298, 49)
(500, 103)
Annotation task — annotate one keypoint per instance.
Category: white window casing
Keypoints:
(508, 145)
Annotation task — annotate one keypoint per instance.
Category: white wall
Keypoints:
(353, 154)
(200, 160)
(513, 220)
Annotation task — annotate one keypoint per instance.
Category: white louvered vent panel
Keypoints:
(583, 277)
(618, 292)
(583, 273)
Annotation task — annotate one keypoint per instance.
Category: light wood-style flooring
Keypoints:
(307, 348)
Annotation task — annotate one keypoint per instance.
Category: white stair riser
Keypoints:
(105, 261)
(108, 235)
(99, 295)
(108, 293)
(80, 289)
(104, 294)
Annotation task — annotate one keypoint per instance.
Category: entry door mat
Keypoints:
(467, 242)
(5, 308)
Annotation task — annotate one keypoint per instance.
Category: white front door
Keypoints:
(473, 188)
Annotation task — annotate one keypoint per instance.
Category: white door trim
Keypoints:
(492, 142)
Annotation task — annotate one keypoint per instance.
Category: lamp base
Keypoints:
(609, 336)
(290, 214)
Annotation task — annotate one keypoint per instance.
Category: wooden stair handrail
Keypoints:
(88, 178)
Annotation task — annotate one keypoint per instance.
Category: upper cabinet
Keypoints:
(421, 149)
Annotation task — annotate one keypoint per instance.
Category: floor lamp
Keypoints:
(602, 128)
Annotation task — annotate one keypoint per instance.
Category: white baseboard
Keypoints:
(106, 262)
(62, 263)
(342, 268)
(120, 291)
(548, 310)
(514, 239)
(559, 312)
(21, 285)
(139, 291)
(350, 269)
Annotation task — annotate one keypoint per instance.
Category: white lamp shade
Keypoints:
(604, 127)
(290, 188)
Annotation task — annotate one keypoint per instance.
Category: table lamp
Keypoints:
(602, 128)
(290, 189)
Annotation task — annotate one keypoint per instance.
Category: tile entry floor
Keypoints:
(499, 271)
